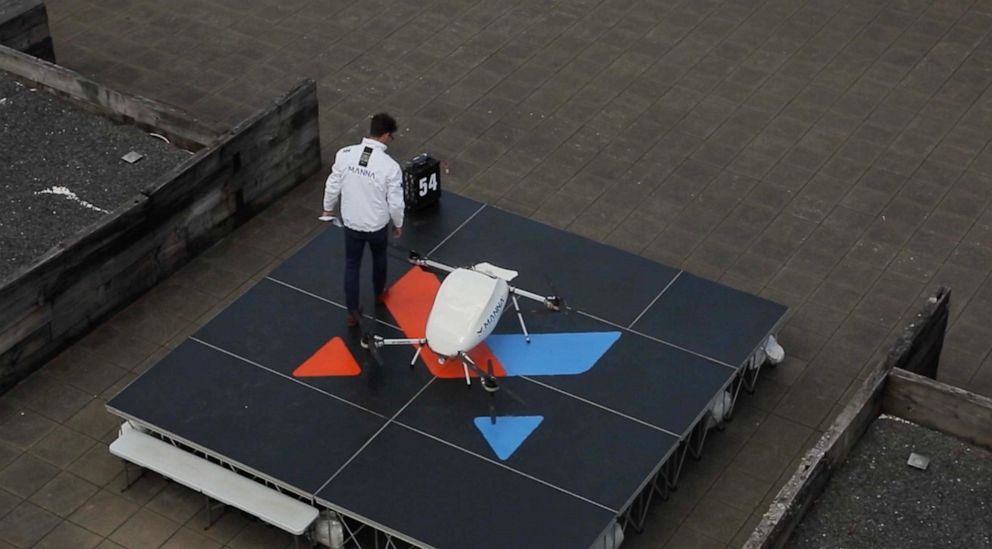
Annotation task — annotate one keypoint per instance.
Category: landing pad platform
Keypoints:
(607, 398)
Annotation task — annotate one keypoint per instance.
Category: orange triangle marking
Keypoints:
(410, 301)
(333, 359)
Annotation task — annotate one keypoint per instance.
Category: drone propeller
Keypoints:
(491, 386)
(557, 302)
(554, 303)
(512, 395)
(366, 339)
(373, 351)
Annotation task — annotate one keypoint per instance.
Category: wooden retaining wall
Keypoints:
(24, 27)
(182, 129)
(891, 390)
(61, 296)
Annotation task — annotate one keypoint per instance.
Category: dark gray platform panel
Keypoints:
(318, 267)
(444, 497)
(711, 319)
(280, 328)
(577, 446)
(279, 428)
(650, 381)
(602, 280)
(424, 230)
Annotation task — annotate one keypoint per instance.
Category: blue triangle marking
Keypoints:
(550, 354)
(508, 433)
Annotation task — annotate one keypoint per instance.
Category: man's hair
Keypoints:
(382, 124)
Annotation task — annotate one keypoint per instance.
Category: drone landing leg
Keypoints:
(416, 355)
(468, 380)
(520, 317)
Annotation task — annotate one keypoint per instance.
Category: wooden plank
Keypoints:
(26, 324)
(793, 500)
(181, 127)
(42, 49)
(9, 8)
(939, 406)
(20, 360)
(18, 17)
(918, 348)
(17, 297)
(187, 209)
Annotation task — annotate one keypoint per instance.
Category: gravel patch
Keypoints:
(62, 170)
(876, 500)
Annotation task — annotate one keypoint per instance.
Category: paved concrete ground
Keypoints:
(831, 155)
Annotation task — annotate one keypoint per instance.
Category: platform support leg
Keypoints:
(388, 542)
(696, 439)
(660, 484)
(751, 378)
(675, 466)
(127, 477)
(351, 534)
(728, 415)
(638, 511)
(296, 542)
(210, 509)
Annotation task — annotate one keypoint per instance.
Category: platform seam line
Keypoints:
(508, 468)
(376, 434)
(662, 341)
(602, 407)
(284, 376)
(656, 298)
(580, 311)
(458, 228)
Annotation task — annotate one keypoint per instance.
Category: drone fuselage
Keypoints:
(467, 308)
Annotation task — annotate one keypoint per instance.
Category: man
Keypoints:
(367, 185)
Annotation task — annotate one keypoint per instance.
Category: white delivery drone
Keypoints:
(467, 308)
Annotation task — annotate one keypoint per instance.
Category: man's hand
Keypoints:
(328, 217)
(397, 232)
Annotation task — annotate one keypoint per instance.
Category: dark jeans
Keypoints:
(354, 248)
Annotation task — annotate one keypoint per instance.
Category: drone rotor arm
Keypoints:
(423, 261)
(383, 342)
(552, 302)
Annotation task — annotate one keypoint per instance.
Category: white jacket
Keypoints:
(369, 184)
